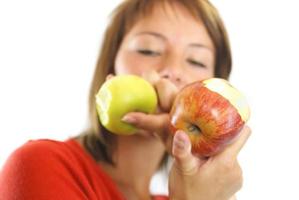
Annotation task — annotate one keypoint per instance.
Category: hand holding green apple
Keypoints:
(120, 95)
(212, 112)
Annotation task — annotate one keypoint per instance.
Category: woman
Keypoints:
(170, 43)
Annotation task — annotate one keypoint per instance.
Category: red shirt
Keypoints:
(47, 169)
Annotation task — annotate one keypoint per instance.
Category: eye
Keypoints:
(196, 63)
(148, 52)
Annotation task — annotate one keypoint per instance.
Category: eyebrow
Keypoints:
(198, 45)
(158, 35)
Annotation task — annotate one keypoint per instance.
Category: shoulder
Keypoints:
(42, 157)
(47, 169)
(34, 169)
(36, 153)
(37, 147)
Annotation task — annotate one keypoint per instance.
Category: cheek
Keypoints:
(124, 64)
(131, 63)
(199, 74)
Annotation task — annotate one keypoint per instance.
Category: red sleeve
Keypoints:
(160, 198)
(36, 171)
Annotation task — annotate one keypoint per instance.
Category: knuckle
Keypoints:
(232, 167)
(185, 166)
(228, 164)
(232, 173)
(249, 130)
(237, 177)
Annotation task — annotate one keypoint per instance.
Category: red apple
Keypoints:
(212, 112)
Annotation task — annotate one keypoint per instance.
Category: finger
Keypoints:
(166, 90)
(166, 93)
(186, 163)
(151, 76)
(234, 148)
(153, 123)
(109, 76)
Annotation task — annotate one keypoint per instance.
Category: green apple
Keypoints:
(123, 94)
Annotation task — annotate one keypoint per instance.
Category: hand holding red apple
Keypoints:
(212, 113)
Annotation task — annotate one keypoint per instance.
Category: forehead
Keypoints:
(172, 13)
(147, 9)
(174, 21)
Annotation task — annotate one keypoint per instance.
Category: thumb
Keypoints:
(185, 162)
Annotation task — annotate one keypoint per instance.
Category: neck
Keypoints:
(137, 158)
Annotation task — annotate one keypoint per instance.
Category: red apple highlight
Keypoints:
(212, 112)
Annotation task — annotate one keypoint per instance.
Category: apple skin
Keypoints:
(123, 94)
(212, 112)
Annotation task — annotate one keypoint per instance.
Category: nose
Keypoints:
(172, 77)
(172, 69)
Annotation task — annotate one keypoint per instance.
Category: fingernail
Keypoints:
(180, 140)
(109, 76)
(129, 119)
(181, 136)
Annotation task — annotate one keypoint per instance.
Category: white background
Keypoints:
(48, 51)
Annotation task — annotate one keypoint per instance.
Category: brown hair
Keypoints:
(96, 139)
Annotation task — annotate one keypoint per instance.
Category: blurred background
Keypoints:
(48, 50)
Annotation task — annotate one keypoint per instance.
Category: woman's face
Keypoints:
(171, 42)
